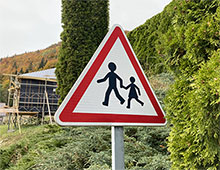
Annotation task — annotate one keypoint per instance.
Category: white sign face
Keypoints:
(112, 90)
(93, 98)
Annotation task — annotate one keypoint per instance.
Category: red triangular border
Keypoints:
(68, 114)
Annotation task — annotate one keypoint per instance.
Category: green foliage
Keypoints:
(42, 63)
(145, 148)
(3, 90)
(185, 40)
(161, 84)
(21, 71)
(193, 36)
(15, 65)
(193, 108)
(191, 53)
(85, 24)
(146, 41)
(53, 147)
(3, 94)
(90, 147)
(180, 38)
(37, 141)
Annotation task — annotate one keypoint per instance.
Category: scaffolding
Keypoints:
(31, 94)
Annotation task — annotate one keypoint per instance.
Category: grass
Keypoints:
(3, 130)
(9, 138)
(21, 151)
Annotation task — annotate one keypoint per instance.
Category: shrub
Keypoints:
(193, 108)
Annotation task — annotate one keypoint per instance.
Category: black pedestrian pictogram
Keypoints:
(133, 92)
(112, 77)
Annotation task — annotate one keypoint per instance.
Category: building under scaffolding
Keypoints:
(32, 94)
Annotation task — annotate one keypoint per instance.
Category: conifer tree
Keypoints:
(85, 23)
(42, 63)
(185, 40)
(21, 71)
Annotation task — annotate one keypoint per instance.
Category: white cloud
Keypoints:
(29, 25)
(130, 13)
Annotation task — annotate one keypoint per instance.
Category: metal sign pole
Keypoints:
(117, 148)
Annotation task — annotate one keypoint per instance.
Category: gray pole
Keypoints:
(117, 148)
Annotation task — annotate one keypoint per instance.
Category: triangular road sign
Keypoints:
(112, 90)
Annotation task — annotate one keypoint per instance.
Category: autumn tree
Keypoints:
(85, 23)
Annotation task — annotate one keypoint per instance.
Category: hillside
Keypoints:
(31, 61)
(24, 63)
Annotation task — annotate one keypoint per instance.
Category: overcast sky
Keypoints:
(29, 25)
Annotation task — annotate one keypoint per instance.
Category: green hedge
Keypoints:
(184, 39)
(85, 23)
(193, 107)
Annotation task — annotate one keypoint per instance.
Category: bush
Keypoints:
(193, 109)
(90, 147)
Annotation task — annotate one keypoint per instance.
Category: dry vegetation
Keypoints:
(31, 61)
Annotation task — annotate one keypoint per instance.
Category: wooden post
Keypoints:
(43, 110)
(18, 120)
(9, 121)
(16, 102)
(48, 106)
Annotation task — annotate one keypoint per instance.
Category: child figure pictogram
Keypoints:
(112, 77)
(133, 92)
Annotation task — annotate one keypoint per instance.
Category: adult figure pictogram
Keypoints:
(112, 78)
(133, 92)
